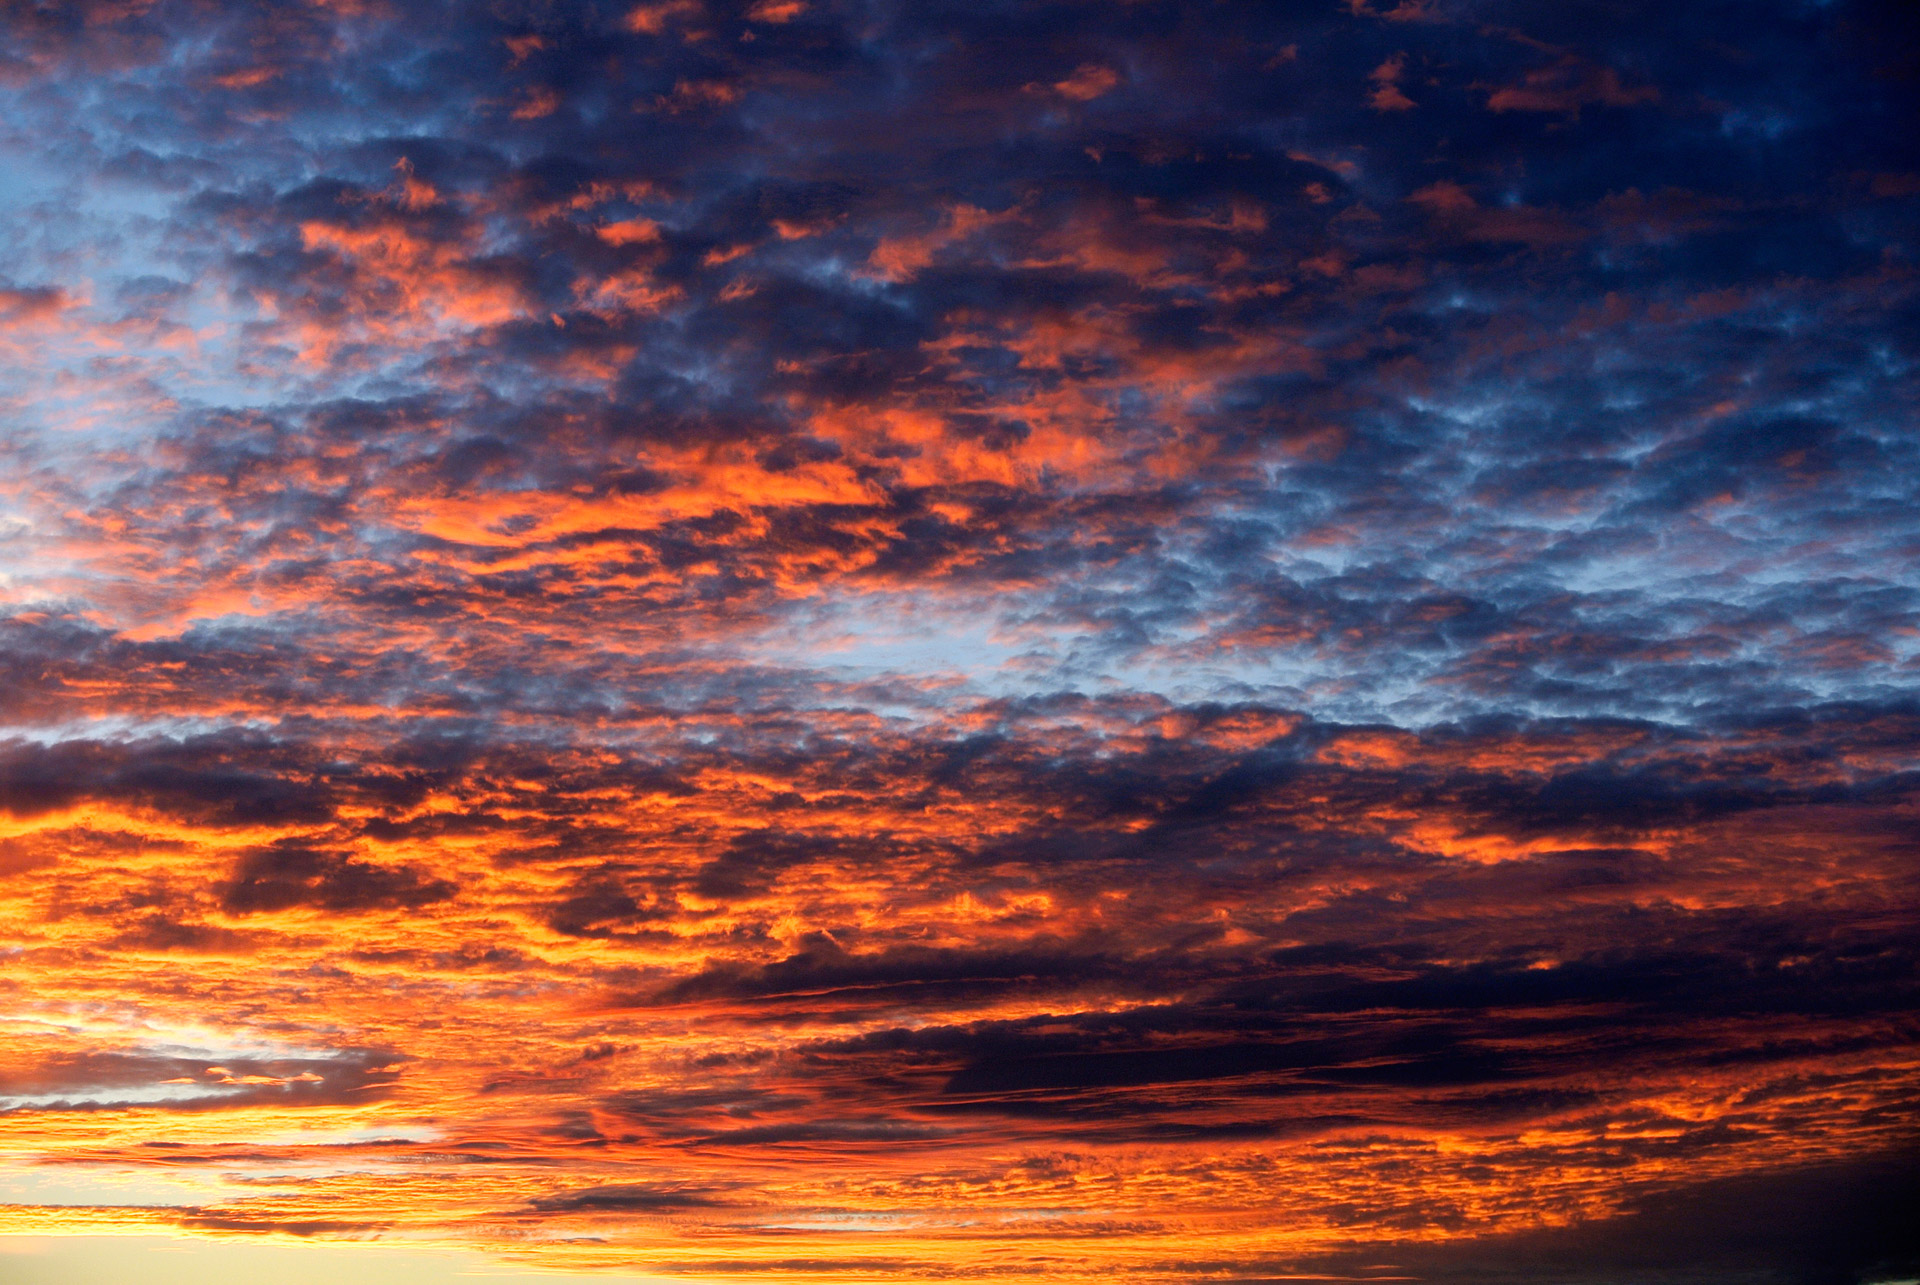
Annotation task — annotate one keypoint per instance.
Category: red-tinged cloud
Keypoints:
(1120, 642)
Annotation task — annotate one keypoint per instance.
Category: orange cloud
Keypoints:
(1088, 82)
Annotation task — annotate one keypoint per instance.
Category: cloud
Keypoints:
(1567, 86)
(157, 1077)
(291, 874)
(1839, 1222)
(629, 1197)
(950, 641)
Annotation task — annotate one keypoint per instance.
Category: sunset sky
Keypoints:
(892, 640)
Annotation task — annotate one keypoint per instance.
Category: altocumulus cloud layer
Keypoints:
(1153, 641)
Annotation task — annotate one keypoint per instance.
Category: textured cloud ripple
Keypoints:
(1117, 641)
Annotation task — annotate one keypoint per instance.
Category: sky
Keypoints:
(898, 640)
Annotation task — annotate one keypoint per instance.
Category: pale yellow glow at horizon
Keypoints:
(185, 1260)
